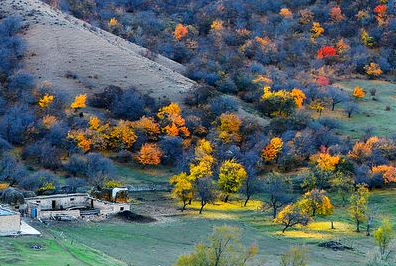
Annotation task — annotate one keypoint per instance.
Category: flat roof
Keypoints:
(55, 196)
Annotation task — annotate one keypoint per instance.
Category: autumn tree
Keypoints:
(148, 127)
(223, 247)
(318, 105)
(173, 124)
(149, 154)
(316, 202)
(82, 142)
(228, 129)
(279, 103)
(285, 12)
(204, 160)
(317, 30)
(46, 100)
(122, 135)
(384, 235)
(183, 188)
(217, 25)
(298, 96)
(79, 102)
(336, 14)
(231, 177)
(180, 31)
(278, 189)
(373, 70)
(326, 51)
(388, 172)
(358, 92)
(358, 205)
(324, 160)
(272, 150)
(290, 216)
(113, 22)
(366, 38)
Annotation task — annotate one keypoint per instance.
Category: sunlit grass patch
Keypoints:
(303, 234)
(252, 205)
(326, 226)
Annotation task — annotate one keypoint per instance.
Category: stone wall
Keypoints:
(10, 224)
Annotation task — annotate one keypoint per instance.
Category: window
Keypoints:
(121, 208)
(71, 199)
(37, 201)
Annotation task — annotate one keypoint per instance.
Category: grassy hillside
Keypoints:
(372, 113)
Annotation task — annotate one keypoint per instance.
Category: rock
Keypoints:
(12, 196)
(334, 245)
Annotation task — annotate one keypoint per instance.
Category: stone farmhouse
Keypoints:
(71, 206)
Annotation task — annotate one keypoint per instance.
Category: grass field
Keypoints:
(162, 242)
(372, 112)
(137, 175)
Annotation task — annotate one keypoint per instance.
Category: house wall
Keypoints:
(48, 214)
(61, 202)
(107, 208)
(10, 224)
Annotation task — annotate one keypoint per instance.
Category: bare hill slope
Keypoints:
(59, 44)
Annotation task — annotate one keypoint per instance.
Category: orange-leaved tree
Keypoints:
(325, 160)
(373, 70)
(299, 97)
(173, 124)
(271, 151)
(180, 31)
(149, 154)
(358, 92)
(148, 126)
(388, 172)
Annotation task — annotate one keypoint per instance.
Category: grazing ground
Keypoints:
(372, 112)
(173, 235)
(135, 174)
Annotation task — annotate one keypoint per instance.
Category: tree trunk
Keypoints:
(202, 206)
(189, 202)
(368, 230)
(333, 107)
(358, 226)
(332, 225)
(226, 198)
(246, 201)
(184, 206)
(274, 210)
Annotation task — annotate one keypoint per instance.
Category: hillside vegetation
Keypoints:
(282, 124)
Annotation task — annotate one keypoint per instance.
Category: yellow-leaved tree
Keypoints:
(79, 102)
(315, 202)
(325, 160)
(228, 129)
(231, 176)
(182, 188)
(46, 100)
